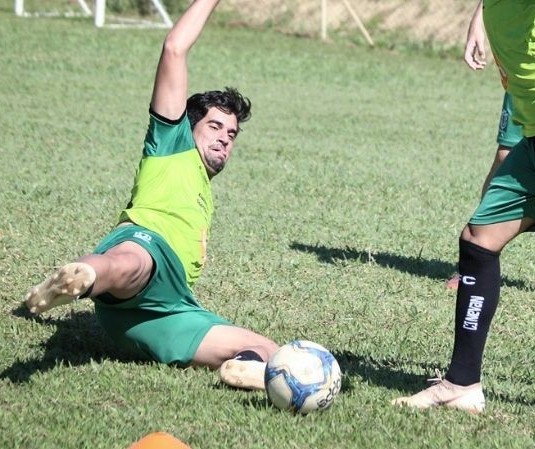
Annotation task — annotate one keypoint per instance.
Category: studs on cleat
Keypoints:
(62, 287)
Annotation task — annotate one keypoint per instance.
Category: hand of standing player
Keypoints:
(474, 48)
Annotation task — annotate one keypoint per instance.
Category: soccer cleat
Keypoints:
(62, 287)
(246, 374)
(444, 393)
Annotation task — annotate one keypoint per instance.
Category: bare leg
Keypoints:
(501, 154)
(477, 300)
(222, 343)
(122, 271)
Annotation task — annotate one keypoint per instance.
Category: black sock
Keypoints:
(248, 355)
(87, 293)
(477, 300)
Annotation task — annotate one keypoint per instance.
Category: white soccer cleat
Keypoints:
(62, 287)
(444, 393)
(246, 374)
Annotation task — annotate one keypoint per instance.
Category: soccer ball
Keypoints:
(302, 376)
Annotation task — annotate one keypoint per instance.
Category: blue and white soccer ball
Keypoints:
(302, 376)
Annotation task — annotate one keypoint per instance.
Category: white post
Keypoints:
(100, 12)
(84, 7)
(324, 20)
(163, 13)
(359, 23)
(19, 7)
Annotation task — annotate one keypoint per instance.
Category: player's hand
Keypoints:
(474, 48)
(474, 53)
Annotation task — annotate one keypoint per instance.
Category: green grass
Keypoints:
(337, 221)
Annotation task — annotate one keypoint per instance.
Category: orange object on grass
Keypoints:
(159, 440)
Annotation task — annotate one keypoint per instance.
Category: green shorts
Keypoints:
(509, 133)
(164, 321)
(511, 193)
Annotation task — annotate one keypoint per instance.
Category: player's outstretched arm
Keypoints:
(474, 48)
(171, 83)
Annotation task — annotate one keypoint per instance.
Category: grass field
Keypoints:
(337, 221)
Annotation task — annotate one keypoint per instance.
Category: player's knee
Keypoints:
(130, 271)
(468, 235)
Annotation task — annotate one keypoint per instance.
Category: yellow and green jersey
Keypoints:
(172, 195)
(510, 27)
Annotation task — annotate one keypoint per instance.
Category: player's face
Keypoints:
(214, 137)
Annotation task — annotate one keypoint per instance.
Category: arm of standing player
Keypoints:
(170, 91)
(474, 48)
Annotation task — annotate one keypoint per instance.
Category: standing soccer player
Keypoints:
(506, 210)
(140, 275)
(509, 133)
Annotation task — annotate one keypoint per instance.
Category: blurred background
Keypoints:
(438, 26)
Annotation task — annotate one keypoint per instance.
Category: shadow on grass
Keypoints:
(380, 373)
(366, 370)
(78, 340)
(418, 266)
(375, 373)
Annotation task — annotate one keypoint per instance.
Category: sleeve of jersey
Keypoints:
(166, 137)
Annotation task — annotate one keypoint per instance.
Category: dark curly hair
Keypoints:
(229, 101)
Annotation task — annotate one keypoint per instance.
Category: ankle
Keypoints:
(248, 355)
